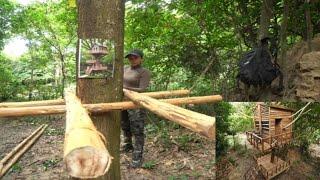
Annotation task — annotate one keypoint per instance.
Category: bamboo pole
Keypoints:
(85, 154)
(101, 107)
(200, 123)
(19, 150)
(159, 94)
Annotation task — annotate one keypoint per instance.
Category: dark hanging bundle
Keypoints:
(256, 67)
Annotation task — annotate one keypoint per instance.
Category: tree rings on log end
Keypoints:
(87, 162)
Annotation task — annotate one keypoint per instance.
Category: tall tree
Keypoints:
(104, 20)
(265, 18)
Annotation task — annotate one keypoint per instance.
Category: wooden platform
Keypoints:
(270, 170)
(263, 143)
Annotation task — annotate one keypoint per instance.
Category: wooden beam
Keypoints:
(85, 154)
(158, 94)
(101, 107)
(19, 150)
(200, 123)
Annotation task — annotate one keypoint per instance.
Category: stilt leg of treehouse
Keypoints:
(200, 123)
(101, 107)
(85, 155)
(18, 151)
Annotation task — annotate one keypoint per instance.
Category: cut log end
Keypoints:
(87, 162)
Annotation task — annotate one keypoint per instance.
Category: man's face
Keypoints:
(134, 60)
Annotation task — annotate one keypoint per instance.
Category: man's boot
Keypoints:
(127, 146)
(138, 152)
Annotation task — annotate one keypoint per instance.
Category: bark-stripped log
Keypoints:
(200, 123)
(159, 94)
(101, 107)
(85, 154)
(18, 151)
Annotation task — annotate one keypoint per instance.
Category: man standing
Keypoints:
(135, 78)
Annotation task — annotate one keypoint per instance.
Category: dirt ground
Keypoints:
(193, 158)
(234, 165)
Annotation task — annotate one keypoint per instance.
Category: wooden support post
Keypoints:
(85, 155)
(200, 123)
(100, 107)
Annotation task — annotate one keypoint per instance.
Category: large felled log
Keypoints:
(85, 154)
(101, 107)
(200, 123)
(159, 94)
(19, 150)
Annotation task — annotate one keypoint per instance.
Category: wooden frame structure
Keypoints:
(272, 130)
(85, 152)
(269, 123)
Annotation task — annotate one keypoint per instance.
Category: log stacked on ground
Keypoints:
(13, 156)
(101, 107)
(200, 123)
(85, 154)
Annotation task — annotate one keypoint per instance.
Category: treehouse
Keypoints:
(271, 127)
(95, 65)
(272, 130)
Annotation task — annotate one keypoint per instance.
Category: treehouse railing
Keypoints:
(274, 171)
(265, 144)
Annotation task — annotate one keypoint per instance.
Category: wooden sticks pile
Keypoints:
(13, 156)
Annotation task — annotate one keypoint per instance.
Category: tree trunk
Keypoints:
(266, 15)
(309, 25)
(63, 71)
(283, 34)
(105, 20)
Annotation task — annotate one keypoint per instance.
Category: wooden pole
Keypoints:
(17, 152)
(100, 107)
(19, 146)
(85, 155)
(158, 94)
(200, 123)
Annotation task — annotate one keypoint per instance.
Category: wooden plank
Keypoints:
(101, 107)
(200, 123)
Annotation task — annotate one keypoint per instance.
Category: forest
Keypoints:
(188, 45)
(195, 45)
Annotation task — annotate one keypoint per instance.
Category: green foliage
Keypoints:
(16, 168)
(149, 165)
(306, 128)
(241, 119)
(49, 163)
(6, 13)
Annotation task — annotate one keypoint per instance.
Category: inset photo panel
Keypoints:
(269, 140)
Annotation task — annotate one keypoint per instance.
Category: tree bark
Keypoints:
(309, 25)
(266, 15)
(105, 20)
(283, 34)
